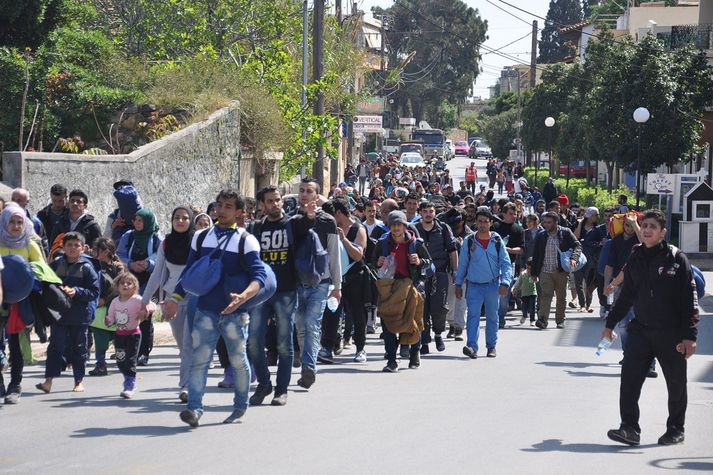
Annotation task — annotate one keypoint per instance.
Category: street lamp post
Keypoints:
(549, 123)
(641, 116)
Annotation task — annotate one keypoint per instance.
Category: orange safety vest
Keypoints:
(471, 174)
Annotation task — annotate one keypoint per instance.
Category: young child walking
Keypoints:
(526, 289)
(125, 313)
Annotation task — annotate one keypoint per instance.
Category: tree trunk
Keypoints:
(610, 175)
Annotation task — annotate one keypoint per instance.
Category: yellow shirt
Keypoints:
(32, 253)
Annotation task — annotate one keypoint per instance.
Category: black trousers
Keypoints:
(391, 344)
(353, 304)
(435, 306)
(127, 352)
(642, 346)
(146, 336)
(528, 307)
(17, 363)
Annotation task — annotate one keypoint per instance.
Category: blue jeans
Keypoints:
(207, 327)
(280, 307)
(308, 320)
(477, 295)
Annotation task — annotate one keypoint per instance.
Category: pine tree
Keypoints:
(561, 12)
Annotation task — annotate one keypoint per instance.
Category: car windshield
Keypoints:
(410, 148)
(461, 144)
(411, 159)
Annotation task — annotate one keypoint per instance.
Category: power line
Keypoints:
(512, 42)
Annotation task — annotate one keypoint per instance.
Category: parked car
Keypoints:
(461, 148)
(412, 160)
(479, 149)
(578, 169)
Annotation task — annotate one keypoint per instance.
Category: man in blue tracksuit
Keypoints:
(485, 265)
(220, 311)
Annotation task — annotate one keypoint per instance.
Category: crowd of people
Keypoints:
(391, 250)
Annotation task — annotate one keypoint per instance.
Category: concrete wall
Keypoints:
(663, 16)
(187, 167)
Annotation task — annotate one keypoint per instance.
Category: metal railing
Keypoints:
(701, 36)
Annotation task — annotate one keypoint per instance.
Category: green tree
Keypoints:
(552, 46)
(26, 23)
(444, 37)
(471, 122)
(500, 131)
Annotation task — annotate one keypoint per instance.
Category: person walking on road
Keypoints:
(271, 232)
(219, 313)
(659, 283)
(547, 268)
(441, 245)
(485, 266)
(471, 177)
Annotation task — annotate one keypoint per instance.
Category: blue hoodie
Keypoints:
(481, 265)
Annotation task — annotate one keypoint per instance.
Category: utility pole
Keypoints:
(519, 116)
(305, 63)
(317, 72)
(533, 56)
(533, 71)
(335, 164)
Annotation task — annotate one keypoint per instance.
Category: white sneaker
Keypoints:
(360, 357)
(127, 393)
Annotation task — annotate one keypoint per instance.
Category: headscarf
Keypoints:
(28, 230)
(144, 237)
(178, 245)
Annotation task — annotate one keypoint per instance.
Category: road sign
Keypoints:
(660, 183)
(368, 123)
(371, 105)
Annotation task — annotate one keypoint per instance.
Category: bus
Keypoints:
(434, 141)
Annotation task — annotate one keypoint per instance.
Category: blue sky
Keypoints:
(502, 29)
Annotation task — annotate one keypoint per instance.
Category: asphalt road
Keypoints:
(543, 405)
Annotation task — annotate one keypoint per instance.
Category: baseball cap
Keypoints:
(121, 183)
(396, 217)
(591, 211)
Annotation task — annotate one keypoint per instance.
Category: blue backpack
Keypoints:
(311, 259)
(700, 282)
(239, 283)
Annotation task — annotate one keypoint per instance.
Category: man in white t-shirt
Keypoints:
(370, 214)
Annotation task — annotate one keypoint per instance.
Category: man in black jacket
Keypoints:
(658, 282)
(546, 266)
(78, 220)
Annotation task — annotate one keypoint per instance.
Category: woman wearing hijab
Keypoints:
(170, 261)
(138, 249)
(17, 236)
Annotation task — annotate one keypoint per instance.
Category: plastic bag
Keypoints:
(388, 269)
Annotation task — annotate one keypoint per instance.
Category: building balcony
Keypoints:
(701, 36)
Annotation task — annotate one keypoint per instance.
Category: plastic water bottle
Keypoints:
(332, 304)
(604, 345)
(610, 299)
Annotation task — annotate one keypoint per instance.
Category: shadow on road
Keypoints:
(138, 406)
(688, 463)
(145, 431)
(556, 445)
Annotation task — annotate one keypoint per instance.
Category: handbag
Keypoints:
(205, 273)
(566, 257)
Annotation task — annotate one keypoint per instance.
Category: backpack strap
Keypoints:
(199, 240)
